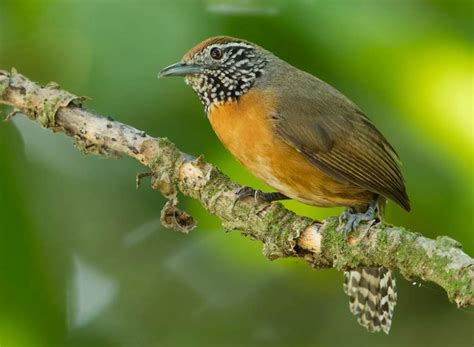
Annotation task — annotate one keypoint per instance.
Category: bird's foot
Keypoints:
(245, 192)
(351, 219)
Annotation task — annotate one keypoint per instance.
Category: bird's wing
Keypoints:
(340, 140)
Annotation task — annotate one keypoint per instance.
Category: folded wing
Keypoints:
(341, 141)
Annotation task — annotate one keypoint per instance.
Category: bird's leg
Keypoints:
(245, 192)
(352, 219)
(271, 196)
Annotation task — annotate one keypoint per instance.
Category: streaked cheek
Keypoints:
(191, 80)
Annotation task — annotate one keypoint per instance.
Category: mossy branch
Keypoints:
(283, 233)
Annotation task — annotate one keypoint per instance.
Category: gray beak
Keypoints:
(180, 69)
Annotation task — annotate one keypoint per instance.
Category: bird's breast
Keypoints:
(245, 127)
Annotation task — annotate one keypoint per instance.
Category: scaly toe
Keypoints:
(245, 192)
(353, 220)
(351, 224)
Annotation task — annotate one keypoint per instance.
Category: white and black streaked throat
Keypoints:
(228, 77)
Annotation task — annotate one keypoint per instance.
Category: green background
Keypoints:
(83, 259)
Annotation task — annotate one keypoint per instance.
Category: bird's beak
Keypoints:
(180, 69)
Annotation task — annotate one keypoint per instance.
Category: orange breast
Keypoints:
(246, 130)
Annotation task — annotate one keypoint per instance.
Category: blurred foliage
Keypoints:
(83, 260)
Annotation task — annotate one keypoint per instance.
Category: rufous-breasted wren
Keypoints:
(305, 139)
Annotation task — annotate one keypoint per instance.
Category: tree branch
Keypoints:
(283, 233)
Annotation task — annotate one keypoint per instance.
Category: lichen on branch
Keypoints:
(282, 232)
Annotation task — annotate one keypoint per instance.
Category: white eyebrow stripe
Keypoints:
(232, 44)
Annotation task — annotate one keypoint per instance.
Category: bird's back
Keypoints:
(332, 132)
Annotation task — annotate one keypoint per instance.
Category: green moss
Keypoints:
(169, 156)
(410, 258)
(445, 242)
(383, 240)
(457, 283)
(47, 117)
(414, 260)
(53, 98)
(3, 86)
(334, 245)
(88, 148)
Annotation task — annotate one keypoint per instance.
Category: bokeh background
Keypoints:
(83, 258)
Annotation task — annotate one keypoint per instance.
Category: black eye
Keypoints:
(216, 53)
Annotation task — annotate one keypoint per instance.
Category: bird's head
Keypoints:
(220, 69)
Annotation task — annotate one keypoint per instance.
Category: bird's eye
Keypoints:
(216, 53)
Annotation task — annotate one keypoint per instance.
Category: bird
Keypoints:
(306, 140)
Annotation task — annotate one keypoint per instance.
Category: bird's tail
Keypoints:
(372, 297)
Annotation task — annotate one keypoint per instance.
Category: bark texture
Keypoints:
(282, 232)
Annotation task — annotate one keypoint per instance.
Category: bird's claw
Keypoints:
(351, 220)
(245, 192)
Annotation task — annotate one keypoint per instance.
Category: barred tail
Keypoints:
(372, 297)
